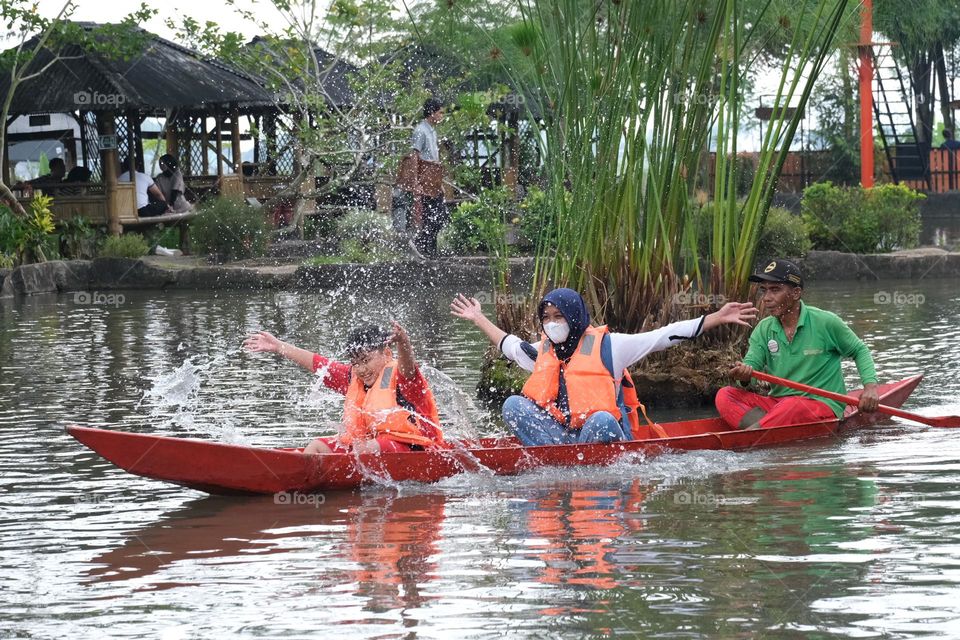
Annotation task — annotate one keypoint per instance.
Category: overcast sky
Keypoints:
(114, 10)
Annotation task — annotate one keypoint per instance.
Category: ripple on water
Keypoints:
(856, 536)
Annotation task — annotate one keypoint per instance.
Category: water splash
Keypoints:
(177, 389)
(178, 392)
(461, 417)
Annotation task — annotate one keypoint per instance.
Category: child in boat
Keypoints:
(388, 406)
(579, 390)
(798, 342)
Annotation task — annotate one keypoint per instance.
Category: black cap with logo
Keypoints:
(779, 270)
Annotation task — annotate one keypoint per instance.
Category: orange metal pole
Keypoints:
(866, 95)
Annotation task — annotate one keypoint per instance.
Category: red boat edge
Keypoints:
(220, 468)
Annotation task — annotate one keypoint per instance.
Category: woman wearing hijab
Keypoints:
(579, 390)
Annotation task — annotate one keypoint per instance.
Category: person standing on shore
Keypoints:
(420, 177)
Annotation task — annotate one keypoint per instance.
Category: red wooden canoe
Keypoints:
(230, 469)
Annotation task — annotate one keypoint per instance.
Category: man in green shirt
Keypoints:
(797, 342)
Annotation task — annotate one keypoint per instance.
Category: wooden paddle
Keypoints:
(933, 421)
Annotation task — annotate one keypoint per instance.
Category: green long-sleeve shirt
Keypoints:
(813, 357)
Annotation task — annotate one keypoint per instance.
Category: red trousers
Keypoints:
(734, 403)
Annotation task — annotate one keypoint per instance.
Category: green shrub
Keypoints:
(538, 219)
(29, 238)
(480, 226)
(783, 234)
(857, 220)
(363, 236)
(78, 239)
(163, 236)
(366, 236)
(128, 245)
(230, 229)
(7, 261)
(320, 226)
(897, 210)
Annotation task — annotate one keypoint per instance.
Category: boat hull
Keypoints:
(236, 469)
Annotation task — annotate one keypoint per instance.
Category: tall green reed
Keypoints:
(635, 94)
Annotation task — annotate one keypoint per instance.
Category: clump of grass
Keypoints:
(128, 245)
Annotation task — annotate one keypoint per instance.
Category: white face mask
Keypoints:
(557, 331)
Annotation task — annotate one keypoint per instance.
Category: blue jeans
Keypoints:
(534, 426)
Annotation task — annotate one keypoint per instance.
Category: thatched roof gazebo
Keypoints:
(110, 98)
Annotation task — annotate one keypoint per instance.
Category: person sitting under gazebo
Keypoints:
(150, 200)
(171, 184)
(58, 169)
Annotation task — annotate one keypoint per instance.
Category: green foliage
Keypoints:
(500, 379)
(128, 245)
(319, 226)
(857, 220)
(538, 218)
(364, 237)
(637, 94)
(230, 229)
(30, 238)
(783, 234)
(838, 123)
(480, 226)
(78, 240)
(22, 21)
(163, 236)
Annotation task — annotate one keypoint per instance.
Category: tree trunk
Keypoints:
(307, 185)
(941, 65)
(923, 95)
(848, 100)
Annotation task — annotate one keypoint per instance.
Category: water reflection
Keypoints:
(382, 544)
(393, 541)
(579, 529)
(855, 536)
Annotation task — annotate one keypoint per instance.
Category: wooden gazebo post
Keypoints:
(235, 141)
(219, 124)
(172, 140)
(204, 145)
(108, 168)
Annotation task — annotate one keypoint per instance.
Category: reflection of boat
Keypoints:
(381, 542)
(575, 533)
(224, 468)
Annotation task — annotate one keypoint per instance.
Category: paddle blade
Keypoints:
(946, 422)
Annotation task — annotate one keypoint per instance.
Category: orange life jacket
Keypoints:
(590, 384)
(368, 413)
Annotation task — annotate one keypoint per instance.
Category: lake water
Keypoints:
(852, 537)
